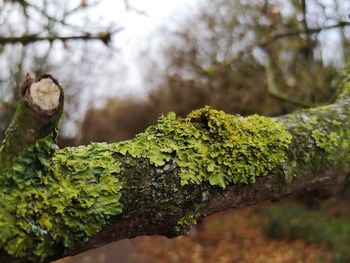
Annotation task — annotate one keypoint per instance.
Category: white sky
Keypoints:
(135, 24)
(137, 28)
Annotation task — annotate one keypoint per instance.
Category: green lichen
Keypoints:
(313, 120)
(328, 142)
(344, 83)
(186, 222)
(53, 200)
(19, 135)
(212, 146)
(289, 169)
(336, 123)
(345, 144)
(56, 199)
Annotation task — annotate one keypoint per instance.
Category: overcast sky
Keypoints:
(138, 25)
(136, 29)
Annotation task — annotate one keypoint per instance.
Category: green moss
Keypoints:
(327, 142)
(212, 146)
(56, 199)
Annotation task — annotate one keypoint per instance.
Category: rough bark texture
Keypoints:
(57, 202)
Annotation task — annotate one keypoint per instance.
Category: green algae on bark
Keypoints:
(210, 145)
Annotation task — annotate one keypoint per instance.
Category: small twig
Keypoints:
(25, 4)
(129, 7)
(275, 37)
(309, 31)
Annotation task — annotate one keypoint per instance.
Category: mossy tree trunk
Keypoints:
(58, 202)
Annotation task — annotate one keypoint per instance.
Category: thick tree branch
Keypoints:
(61, 202)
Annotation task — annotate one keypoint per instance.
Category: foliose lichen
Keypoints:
(52, 199)
(56, 199)
(210, 145)
(328, 142)
(344, 83)
(186, 222)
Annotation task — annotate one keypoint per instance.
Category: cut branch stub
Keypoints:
(36, 117)
(45, 95)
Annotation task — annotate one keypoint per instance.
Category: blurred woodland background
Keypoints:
(267, 57)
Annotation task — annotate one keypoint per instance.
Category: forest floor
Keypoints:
(283, 232)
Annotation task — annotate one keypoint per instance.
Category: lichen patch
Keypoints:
(56, 199)
(210, 145)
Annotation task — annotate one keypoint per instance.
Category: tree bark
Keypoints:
(58, 202)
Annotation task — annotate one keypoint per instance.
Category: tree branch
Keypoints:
(41, 107)
(274, 91)
(277, 36)
(306, 31)
(105, 37)
(55, 202)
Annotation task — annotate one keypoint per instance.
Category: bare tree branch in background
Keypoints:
(30, 30)
(212, 53)
(133, 9)
(105, 37)
(309, 31)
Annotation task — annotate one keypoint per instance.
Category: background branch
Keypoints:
(308, 31)
(105, 37)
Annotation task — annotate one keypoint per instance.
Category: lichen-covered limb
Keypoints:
(60, 202)
(36, 117)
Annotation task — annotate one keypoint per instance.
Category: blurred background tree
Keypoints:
(266, 57)
(53, 36)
